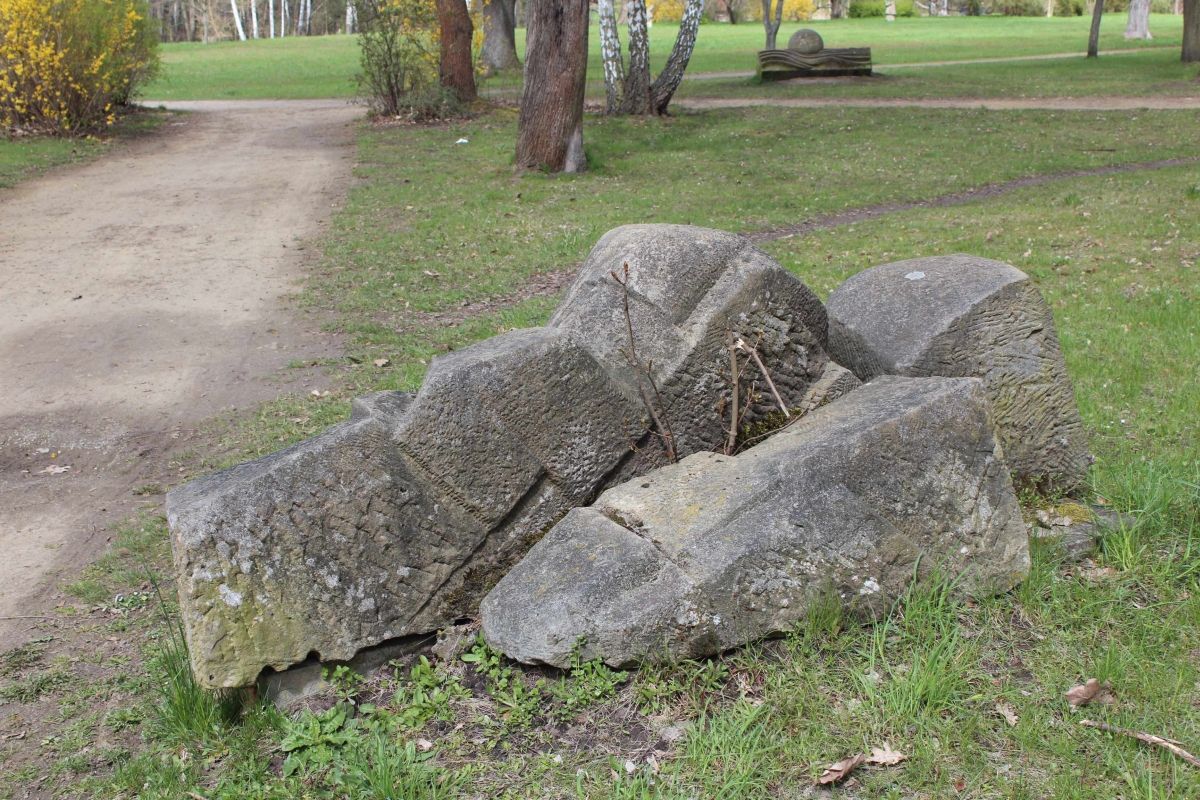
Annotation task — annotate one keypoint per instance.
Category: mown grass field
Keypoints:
(326, 66)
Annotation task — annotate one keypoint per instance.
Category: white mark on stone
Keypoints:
(870, 586)
(231, 598)
(915, 276)
(964, 550)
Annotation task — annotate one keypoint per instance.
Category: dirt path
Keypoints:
(991, 104)
(140, 295)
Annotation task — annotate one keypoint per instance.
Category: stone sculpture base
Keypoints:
(831, 62)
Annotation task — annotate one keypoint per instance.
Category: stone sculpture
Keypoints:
(963, 316)
(398, 521)
(806, 56)
(854, 499)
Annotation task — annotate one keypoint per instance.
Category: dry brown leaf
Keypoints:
(424, 745)
(1090, 692)
(1084, 693)
(838, 770)
(382, 362)
(1008, 713)
(885, 756)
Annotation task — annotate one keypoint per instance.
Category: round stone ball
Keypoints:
(806, 40)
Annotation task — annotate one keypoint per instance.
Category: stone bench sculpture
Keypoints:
(398, 521)
(806, 56)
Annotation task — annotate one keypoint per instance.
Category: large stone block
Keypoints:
(398, 521)
(962, 316)
(689, 290)
(716, 551)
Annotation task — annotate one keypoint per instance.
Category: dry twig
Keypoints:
(663, 427)
(1169, 745)
(753, 351)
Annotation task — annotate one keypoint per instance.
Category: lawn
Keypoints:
(440, 244)
(326, 66)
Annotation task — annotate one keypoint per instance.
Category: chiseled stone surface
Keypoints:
(397, 521)
(717, 551)
(963, 316)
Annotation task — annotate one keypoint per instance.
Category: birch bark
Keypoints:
(237, 20)
(1138, 26)
(663, 88)
(610, 57)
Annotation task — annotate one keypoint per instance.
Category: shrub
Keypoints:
(793, 10)
(1019, 8)
(398, 53)
(877, 8)
(1069, 8)
(66, 65)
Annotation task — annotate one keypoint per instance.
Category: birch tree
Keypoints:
(772, 25)
(237, 20)
(631, 91)
(254, 18)
(1138, 26)
(351, 16)
(271, 18)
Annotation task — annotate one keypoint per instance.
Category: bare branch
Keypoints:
(663, 428)
(1170, 745)
(763, 369)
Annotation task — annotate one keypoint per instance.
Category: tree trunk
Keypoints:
(838, 9)
(637, 80)
(1094, 36)
(1138, 26)
(455, 70)
(351, 16)
(254, 19)
(550, 125)
(1191, 30)
(772, 27)
(668, 80)
(237, 20)
(499, 35)
(610, 57)
(271, 18)
(889, 10)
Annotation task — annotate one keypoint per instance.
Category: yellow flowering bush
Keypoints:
(66, 65)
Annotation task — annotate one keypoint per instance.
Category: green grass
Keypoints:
(1145, 73)
(326, 66)
(26, 157)
(433, 250)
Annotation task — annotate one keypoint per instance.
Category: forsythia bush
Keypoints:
(65, 65)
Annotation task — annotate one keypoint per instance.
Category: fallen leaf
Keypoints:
(838, 770)
(382, 362)
(1090, 692)
(1098, 573)
(424, 745)
(885, 756)
(54, 469)
(1008, 713)
(431, 274)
